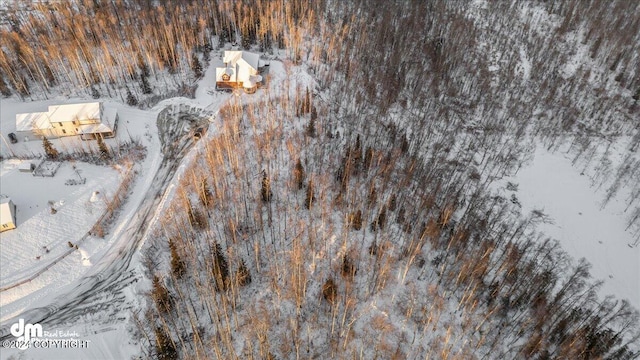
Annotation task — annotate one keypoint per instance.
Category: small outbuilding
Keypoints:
(27, 166)
(7, 215)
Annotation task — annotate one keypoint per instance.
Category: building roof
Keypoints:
(239, 65)
(25, 165)
(110, 115)
(94, 129)
(252, 81)
(232, 57)
(225, 70)
(30, 121)
(6, 211)
(58, 113)
(72, 112)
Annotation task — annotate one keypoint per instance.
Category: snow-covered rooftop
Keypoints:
(225, 70)
(232, 57)
(93, 129)
(71, 112)
(59, 113)
(110, 115)
(30, 121)
(6, 211)
(239, 65)
(25, 165)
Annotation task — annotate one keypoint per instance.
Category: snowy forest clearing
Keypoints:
(43, 234)
(575, 218)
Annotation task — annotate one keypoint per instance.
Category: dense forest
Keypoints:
(354, 217)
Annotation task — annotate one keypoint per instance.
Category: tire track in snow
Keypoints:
(101, 288)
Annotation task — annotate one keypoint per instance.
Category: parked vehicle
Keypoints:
(13, 138)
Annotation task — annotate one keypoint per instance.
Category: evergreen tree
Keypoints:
(104, 149)
(380, 220)
(178, 267)
(206, 198)
(246, 40)
(131, 99)
(165, 349)
(348, 268)
(160, 295)
(243, 275)
(404, 144)
(392, 202)
(48, 74)
(197, 218)
(142, 65)
(356, 220)
(305, 107)
(310, 198)
(280, 41)
(144, 84)
(206, 50)
(299, 175)
(94, 92)
(382, 217)
(307, 102)
(373, 195)
(220, 268)
(266, 188)
(355, 156)
(196, 66)
(330, 291)
(22, 87)
(311, 128)
(52, 152)
(4, 89)
(224, 36)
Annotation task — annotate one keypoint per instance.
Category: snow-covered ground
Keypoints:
(550, 183)
(107, 339)
(41, 237)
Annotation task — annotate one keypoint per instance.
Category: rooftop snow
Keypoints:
(240, 66)
(94, 129)
(5, 211)
(71, 112)
(30, 121)
(232, 57)
(225, 70)
(110, 115)
(57, 113)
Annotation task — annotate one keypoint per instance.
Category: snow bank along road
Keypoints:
(102, 291)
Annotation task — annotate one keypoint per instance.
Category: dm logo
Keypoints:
(24, 332)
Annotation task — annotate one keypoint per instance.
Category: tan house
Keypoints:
(7, 215)
(89, 120)
(240, 71)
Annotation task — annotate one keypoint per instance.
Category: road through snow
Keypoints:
(102, 289)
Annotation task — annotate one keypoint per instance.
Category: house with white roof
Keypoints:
(240, 71)
(7, 215)
(89, 120)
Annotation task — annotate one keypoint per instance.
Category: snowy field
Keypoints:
(41, 236)
(550, 183)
